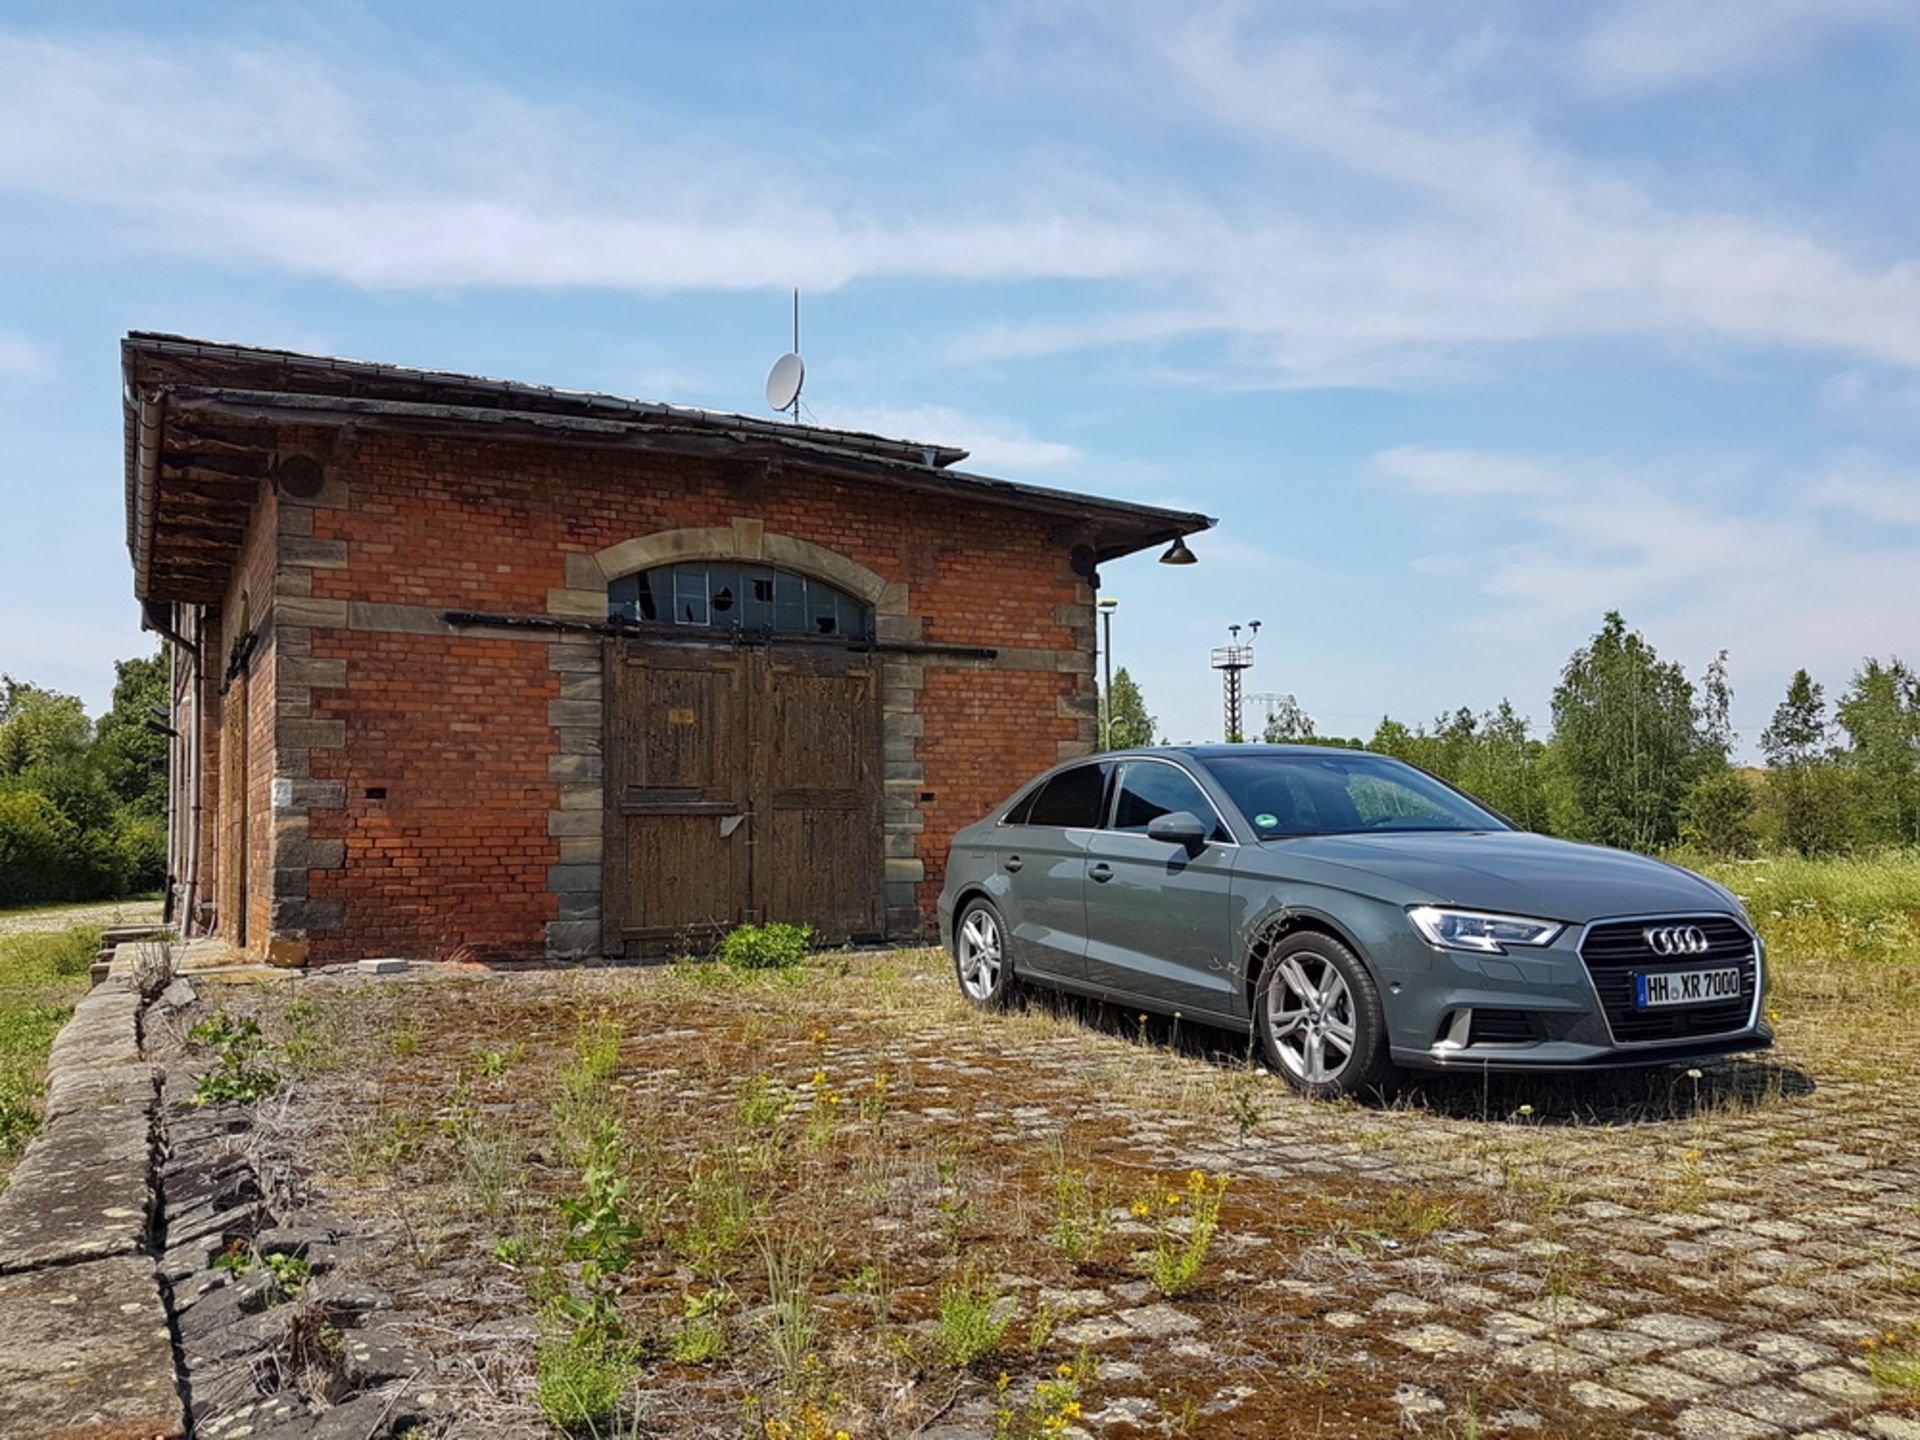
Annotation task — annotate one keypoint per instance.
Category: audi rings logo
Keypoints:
(1676, 939)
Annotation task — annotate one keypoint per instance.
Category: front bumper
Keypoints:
(1532, 1010)
(1548, 1056)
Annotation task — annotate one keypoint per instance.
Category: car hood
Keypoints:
(1505, 870)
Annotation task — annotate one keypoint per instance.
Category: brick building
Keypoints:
(467, 667)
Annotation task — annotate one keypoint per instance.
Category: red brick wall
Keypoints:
(986, 732)
(455, 856)
(249, 606)
(456, 729)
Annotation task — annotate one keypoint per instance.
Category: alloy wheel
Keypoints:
(979, 954)
(1310, 1015)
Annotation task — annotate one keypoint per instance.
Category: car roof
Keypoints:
(1217, 751)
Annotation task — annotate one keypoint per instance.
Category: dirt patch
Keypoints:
(846, 1202)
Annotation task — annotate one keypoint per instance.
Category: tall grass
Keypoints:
(41, 976)
(1838, 931)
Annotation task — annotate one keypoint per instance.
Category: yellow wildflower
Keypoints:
(1196, 1180)
(1071, 1410)
(1140, 1209)
(819, 1077)
(1065, 1372)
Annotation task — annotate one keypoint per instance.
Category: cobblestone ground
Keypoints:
(1719, 1254)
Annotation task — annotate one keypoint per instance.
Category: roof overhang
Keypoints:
(204, 419)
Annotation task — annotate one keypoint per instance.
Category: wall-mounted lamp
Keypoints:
(1178, 554)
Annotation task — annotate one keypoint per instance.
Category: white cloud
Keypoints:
(1477, 236)
(1871, 489)
(1432, 471)
(1644, 44)
(1689, 551)
(22, 358)
(991, 443)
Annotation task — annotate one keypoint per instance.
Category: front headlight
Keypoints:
(1474, 930)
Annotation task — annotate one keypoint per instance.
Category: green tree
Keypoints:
(1128, 722)
(40, 728)
(133, 756)
(1502, 767)
(1881, 715)
(1287, 724)
(1629, 740)
(1809, 801)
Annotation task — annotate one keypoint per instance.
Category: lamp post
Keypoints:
(1107, 606)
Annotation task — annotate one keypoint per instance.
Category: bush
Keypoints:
(1716, 814)
(36, 848)
(766, 947)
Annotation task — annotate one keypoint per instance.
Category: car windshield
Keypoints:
(1342, 793)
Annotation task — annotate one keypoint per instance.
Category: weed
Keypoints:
(581, 1109)
(720, 1215)
(967, 1329)
(236, 1259)
(290, 1274)
(578, 1381)
(1055, 1405)
(381, 1142)
(1243, 1100)
(766, 947)
(1893, 1359)
(1081, 1214)
(495, 1063)
(702, 1335)
(762, 1105)
(1041, 1329)
(489, 1162)
(318, 1035)
(1412, 1214)
(1175, 1260)
(600, 1238)
(794, 1329)
(403, 1042)
(240, 1077)
(822, 1111)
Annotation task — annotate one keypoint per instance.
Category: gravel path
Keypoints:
(105, 912)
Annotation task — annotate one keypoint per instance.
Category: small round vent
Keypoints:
(300, 476)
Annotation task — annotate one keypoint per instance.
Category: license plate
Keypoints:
(1686, 987)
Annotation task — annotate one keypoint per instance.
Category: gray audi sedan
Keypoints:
(1361, 916)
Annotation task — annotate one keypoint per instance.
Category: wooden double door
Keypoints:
(743, 784)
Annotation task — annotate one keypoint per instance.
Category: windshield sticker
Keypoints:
(1266, 821)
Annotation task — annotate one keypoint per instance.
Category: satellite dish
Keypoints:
(783, 383)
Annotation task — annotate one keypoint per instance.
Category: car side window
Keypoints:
(1017, 812)
(1148, 790)
(1072, 799)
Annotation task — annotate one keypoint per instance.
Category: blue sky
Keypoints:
(1469, 321)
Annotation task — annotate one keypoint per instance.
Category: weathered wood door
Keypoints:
(742, 785)
(230, 882)
(817, 792)
(676, 864)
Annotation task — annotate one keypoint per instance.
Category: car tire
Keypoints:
(1313, 1000)
(981, 960)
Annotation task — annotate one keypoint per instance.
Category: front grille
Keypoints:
(1616, 950)
(1500, 1027)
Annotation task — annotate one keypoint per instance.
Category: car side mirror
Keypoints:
(1178, 827)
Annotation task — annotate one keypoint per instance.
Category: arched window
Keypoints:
(724, 595)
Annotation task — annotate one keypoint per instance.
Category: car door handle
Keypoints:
(1102, 872)
(1012, 862)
